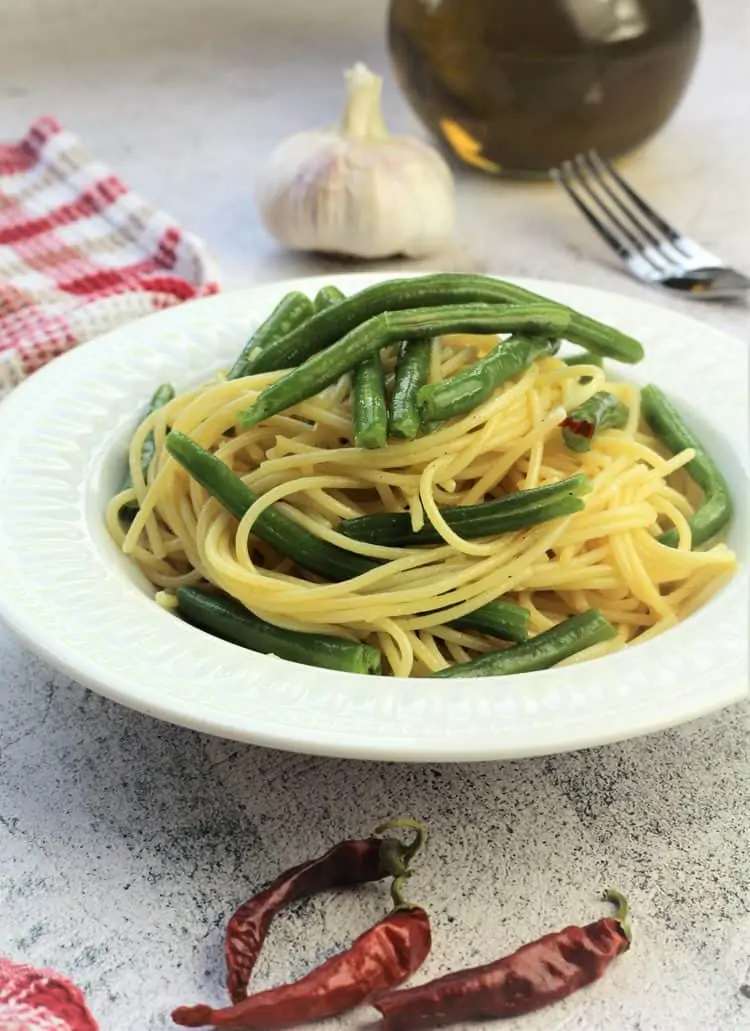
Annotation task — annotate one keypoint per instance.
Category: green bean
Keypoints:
(494, 525)
(545, 650)
(442, 289)
(502, 619)
(369, 406)
(328, 297)
(226, 618)
(291, 312)
(602, 411)
(584, 359)
(162, 396)
(412, 372)
(668, 425)
(390, 328)
(369, 411)
(470, 387)
(308, 551)
(501, 515)
(428, 426)
(272, 526)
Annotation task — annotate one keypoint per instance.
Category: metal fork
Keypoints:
(652, 249)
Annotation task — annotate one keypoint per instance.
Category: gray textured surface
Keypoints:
(124, 843)
(127, 842)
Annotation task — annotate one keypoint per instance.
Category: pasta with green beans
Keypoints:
(433, 490)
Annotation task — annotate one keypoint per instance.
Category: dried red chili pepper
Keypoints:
(382, 957)
(534, 976)
(579, 427)
(348, 863)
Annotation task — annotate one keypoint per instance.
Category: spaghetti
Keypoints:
(303, 461)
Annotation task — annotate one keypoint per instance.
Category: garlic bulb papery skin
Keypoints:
(356, 190)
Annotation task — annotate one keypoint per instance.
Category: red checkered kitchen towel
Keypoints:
(80, 253)
(40, 1000)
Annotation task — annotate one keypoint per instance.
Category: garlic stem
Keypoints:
(362, 118)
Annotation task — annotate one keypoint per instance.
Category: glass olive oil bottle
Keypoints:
(514, 87)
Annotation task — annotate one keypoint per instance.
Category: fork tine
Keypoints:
(641, 246)
(652, 249)
(598, 171)
(604, 166)
(562, 177)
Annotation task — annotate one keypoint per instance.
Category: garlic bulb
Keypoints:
(355, 189)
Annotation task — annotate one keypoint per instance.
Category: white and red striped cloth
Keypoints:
(80, 253)
(40, 1000)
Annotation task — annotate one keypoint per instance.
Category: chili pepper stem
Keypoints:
(395, 856)
(621, 913)
(397, 893)
(405, 823)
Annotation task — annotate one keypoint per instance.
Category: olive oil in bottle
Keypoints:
(514, 87)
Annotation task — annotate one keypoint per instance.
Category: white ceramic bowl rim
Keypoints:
(73, 598)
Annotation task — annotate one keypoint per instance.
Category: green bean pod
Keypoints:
(369, 406)
(428, 426)
(292, 311)
(470, 387)
(439, 290)
(602, 411)
(412, 373)
(327, 297)
(545, 650)
(501, 515)
(668, 425)
(308, 551)
(390, 328)
(584, 359)
(369, 411)
(162, 396)
(272, 526)
(226, 618)
(503, 619)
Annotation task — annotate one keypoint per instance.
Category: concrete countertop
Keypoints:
(125, 843)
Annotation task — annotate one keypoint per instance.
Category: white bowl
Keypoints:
(71, 595)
